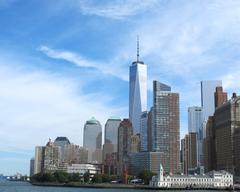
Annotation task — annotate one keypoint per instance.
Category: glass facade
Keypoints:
(137, 93)
(92, 130)
(144, 131)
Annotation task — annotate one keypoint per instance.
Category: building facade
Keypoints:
(189, 153)
(137, 93)
(144, 131)
(165, 126)
(125, 132)
(92, 130)
(212, 180)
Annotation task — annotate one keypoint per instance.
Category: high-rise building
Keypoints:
(51, 157)
(143, 161)
(135, 143)
(149, 129)
(144, 131)
(61, 142)
(110, 145)
(165, 126)
(207, 98)
(194, 119)
(47, 158)
(220, 97)
(195, 126)
(227, 136)
(32, 162)
(39, 159)
(208, 106)
(189, 152)
(92, 129)
(125, 132)
(137, 92)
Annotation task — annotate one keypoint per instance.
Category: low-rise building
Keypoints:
(83, 168)
(212, 180)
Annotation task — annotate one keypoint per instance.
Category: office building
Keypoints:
(195, 126)
(220, 97)
(125, 132)
(144, 161)
(189, 152)
(39, 159)
(61, 142)
(110, 145)
(91, 138)
(165, 126)
(144, 131)
(32, 162)
(135, 143)
(137, 92)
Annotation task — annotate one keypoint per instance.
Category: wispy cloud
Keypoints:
(117, 9)
(78, 60)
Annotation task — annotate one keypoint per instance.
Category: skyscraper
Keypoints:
(207, 99)
(61, 142)
(144, 131)
(110, 144)
(220, 97)
(195, 126)
(208, 106)
(92, 129)
(125, 133)
(137, 92)
(189, 150)
(165, 128)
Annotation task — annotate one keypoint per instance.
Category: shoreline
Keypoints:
(115, 186)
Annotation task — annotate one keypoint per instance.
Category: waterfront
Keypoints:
(26, 187)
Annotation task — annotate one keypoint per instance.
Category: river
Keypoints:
(11, 186)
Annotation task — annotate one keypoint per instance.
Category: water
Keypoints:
(10, 186)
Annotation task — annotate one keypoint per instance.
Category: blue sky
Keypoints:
(62, 62)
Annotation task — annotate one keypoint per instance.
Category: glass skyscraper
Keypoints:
(92, 130)
(137, 93)
(195, 126)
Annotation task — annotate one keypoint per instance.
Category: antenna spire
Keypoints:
(137, 48)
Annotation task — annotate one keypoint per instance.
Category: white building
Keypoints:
(83, 168)
(214, 179)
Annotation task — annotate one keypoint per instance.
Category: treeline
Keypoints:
(64, 177)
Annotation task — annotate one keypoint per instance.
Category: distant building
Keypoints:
(61, 142)
(39, 159)
(144, 131)
(32, 162)
(125, 132)
(220, 97)
(91, 138)
(189, 151)
(141, 161)
(51, 157)
(165, 133)
(135, 143)
(137, 92)
(212, 180)
(208, 105)
(47, 158)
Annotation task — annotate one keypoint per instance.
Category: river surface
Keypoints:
(11, 186)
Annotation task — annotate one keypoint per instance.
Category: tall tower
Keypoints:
(92, 129)
(137, 91)
(165, 126)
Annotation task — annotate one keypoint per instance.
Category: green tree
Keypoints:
(86, 177)
(74, 177)
(146, 176)
(61, 176)
(97, 178)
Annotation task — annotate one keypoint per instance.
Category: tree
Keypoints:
(97, 178)
(86, 177)
(61, 176)
(146, 176)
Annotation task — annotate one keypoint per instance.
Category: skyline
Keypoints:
(56, 58)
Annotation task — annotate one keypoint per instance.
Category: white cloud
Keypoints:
(116, 9)
(106, 68)
(39, 105)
